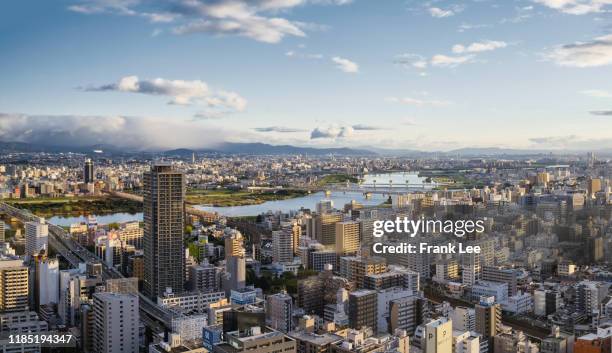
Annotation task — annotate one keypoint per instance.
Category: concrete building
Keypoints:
(279, 312)
(438, 336)
(164, 225)
(363, 309)
(37, 237)
(256, 340)
(14, 286)
(347, 238)
(116, 323)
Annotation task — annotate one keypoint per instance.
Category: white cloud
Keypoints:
(136, 133)
(331, 132)
(280, 129)
(597, 52)
(441, 60)
(417, 101)
(597, 93)
(255, 19)
(440, 13)
(345, 65)
(181, 92)
(413, 60)
(576, 7)
(478, 47)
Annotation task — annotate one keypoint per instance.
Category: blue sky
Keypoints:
(431, 75)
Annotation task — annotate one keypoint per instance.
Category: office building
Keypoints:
(88, 171)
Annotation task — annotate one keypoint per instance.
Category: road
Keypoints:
(154, 317)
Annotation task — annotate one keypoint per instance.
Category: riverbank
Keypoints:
(231, 198)
(75, 206)
(336, 179)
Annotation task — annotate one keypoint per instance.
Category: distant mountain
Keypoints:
(266, 149)
(494, 151)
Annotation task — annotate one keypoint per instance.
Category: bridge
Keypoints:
(381, 188)
(152, 315)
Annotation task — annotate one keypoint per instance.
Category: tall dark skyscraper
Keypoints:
(88, 171)
(164, 209)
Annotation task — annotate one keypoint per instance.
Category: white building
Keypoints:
(48, 281)
(490, 289)
(37, 237)
(519, 303)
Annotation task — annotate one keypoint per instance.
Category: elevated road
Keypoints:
(152, 315)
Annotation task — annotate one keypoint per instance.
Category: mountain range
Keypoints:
(267, 149)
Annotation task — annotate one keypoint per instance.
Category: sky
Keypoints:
(397, 74)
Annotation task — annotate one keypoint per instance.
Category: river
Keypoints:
(339, 199)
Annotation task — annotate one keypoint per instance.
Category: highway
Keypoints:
(154, 317)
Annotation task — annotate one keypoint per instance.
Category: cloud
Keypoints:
(362, 127)
(478, 47)
(133, 133)
(572, 142)
(181, 92)
(418, 102)
(440, 13)
(468, 26)
(597, 52)
(601, 112)
(597, 93)
(345, 65)
(553, 140)
(297, 54)
(576, 7)
(414, 60)
(255, 19)
(280, 129)
(441, 60)
(331, 132)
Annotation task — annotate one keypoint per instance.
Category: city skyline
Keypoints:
(436, 75)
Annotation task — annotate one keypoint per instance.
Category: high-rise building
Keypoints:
(115, 323)
(279, 311)
(363, 309)
(282, 245)
(47, 281)
(501, 275)
(355, 268)
(2, 231)
(88, 171)
(37, 236)
(164, 223)
(325, 227)
(235, 273)
(488, 319)
(205, 278)
(14, 286)
(347, 238)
